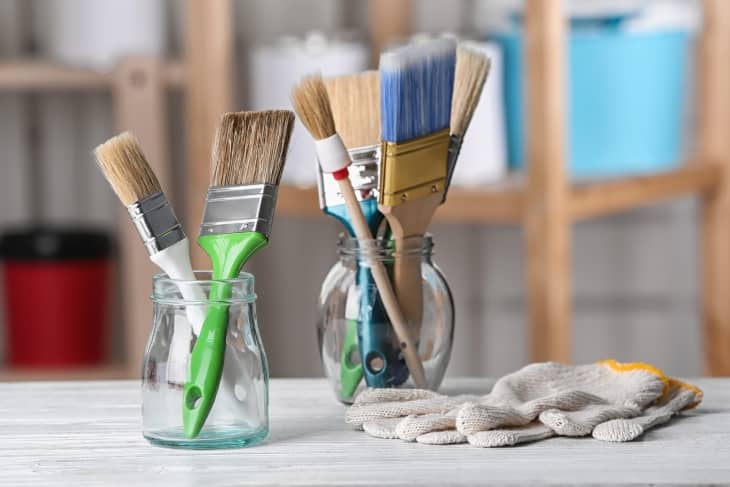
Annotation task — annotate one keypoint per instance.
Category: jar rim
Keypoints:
(163, 286)
(418, 245)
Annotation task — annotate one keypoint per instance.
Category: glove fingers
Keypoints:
(373, 395)
(472, 418)
(510, 436)
(358, 414)
(447, 437)
(621, 430)
(382, 428)
(411, 427)
(582, 422)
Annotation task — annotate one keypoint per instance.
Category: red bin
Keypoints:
(56, 286)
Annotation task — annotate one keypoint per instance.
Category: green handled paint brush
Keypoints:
(248, 158)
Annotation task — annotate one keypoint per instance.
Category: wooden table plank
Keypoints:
(88, 433)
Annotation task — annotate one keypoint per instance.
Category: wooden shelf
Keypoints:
(505, 202)
(601, 198)
(98, 372)
(39, 75)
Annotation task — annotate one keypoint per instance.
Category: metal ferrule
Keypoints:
(455, 142)
(363, 173)
(155, 222)
(234, 209)
(414, 169)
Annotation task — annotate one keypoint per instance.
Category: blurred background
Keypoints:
(74, 72)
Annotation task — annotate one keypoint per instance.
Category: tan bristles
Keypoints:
(355, 101)
(250, 147)
(125, 167)
(472, 68)
(312, 104)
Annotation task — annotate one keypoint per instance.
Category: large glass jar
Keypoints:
(353, 323)
(239, 415)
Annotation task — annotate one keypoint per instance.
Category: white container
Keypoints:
(275, 69)
(95, 33)
(483, 157)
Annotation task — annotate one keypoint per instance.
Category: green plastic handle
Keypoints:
(228, 253)
(350, 372)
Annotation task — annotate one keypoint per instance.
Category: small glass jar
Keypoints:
(353, 323)
(240, 413)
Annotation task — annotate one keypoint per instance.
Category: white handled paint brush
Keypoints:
(472, 69)
(125, 167)
(312, 104)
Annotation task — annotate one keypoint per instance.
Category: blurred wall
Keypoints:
(635, 287)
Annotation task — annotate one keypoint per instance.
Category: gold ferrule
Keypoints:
(414, 169)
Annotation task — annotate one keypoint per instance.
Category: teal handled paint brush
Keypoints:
(355, 102)
(472, 69)
(249, 152)
(312, 104)
(416, 85)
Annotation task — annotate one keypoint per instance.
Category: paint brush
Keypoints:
(355, 102)
(416, 86)
(312, 104)
(472, 69)
(125, 166)
(249, 152)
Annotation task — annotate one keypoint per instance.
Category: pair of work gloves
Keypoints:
(609, 400)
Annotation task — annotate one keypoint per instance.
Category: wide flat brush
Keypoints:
(312, 104)
(355, 102)
(248, 158)
(416, 85)
(472, 69)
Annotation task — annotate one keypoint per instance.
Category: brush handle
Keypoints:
(408, 282)
(411, 219)
(380, 276)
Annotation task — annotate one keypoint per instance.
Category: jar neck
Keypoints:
(203, 290)
(351, 249)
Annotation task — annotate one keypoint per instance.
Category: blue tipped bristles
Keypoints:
(416, 84)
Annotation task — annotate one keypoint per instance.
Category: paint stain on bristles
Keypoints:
(416, 85)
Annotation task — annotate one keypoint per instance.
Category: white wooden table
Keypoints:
(88, 433)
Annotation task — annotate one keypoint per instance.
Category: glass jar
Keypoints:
(353, 324)
(240, 413)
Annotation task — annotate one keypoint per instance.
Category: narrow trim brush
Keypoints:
(249, 152)
(125, 166)
(355, 103)
(472, 69)
(312, 104)
(416, 85)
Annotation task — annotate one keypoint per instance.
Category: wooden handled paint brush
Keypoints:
(312, 104)
(248, 158)
(472, 69)
(416, 85)
(355, 103)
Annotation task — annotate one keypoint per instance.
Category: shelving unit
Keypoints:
(542, 200)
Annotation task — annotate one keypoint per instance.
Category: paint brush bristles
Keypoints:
(355, 101)
(250, 147)
(416, 84)
(472, 68)
(125, 167)
(312, 104)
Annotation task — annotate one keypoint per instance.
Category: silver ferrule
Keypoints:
(455, 142)
(363, 173)
(233, 209)
(155, 222)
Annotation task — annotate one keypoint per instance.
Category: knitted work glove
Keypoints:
(680, 397)
(506, 415)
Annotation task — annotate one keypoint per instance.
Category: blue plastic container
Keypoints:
(627, 95)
